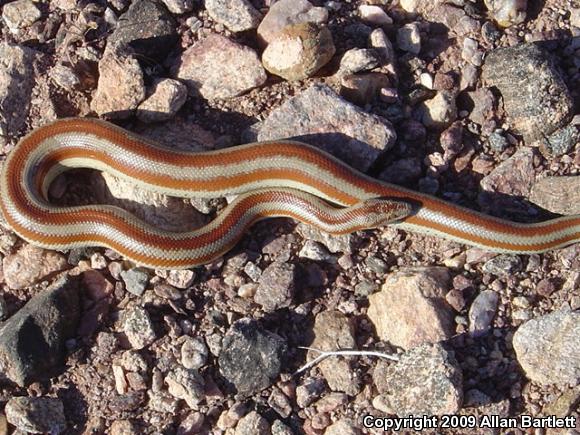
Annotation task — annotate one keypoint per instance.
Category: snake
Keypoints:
(279, 178)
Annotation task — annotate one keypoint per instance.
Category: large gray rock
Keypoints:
(251, 357)
(148, 28)
(535, 96)
(32, 341)
(320, 117)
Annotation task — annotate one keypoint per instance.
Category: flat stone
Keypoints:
(217, 67)
(32, 341)
(320, 117)
(427, 380)
(418, 312)
(557, 194)
(547, 348)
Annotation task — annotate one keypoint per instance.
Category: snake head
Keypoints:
(383, 211)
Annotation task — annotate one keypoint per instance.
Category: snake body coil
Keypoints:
(272, 178)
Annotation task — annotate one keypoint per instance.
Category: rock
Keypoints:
(356, 60)
(497, 141)
(469, 76)
(136, 280)
(547, 348)
(191, 424)
(314, 251)
(451, 140)
(426, 381)
(310, 390)
(340, 243)
(217, 67)
(251, 358)
(373, 14)
(362, 89)
(121, 85)
(230, 417)
(194, 353)
(181, 279)
(279, 402)
(503, 265)
(179, 7)
(252, 424)
(482, 312)
(409, 38)
(138, 327)
(514, 178)
(152, 41)
(20, 14)
(537, 104)
(418, 312)
(162, 402)
(411, 6)
(16, 83)
(279, 428)
(32, 341)
(31, 264)
(277, 286)
(36, 414)
(560, 142)
(507, 12)
(334, 331)
(320, 117)
(440, 111)
(471, 52)
(382, 45)
(557, 194)
(343, 427)
(236, 15)
(287, 12)
(186, 384)
(165, 98)
(483, 105)
(162, 211)
(564, 404)
(123, 427)
(298, 51)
